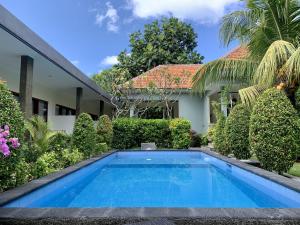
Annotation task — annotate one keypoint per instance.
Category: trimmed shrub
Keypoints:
(58, 142)
(204, 140)
(155, 130)
(70, 157)
(104, 130)
(274, 131)
(101, 148)
(219, 139)
(180, 132)
(11, 115)
(237, 131)
(47, 163)
(125, 133)
(131, 132)
(84, 135)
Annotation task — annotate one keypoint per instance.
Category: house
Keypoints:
(44, 81)
(177, 80)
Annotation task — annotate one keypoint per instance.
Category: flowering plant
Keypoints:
(6, 141)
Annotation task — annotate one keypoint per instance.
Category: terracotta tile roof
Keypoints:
(163, 76)
(238, 53)
(183, 71)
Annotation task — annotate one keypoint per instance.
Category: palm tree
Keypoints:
(270, 30)
(39, 132)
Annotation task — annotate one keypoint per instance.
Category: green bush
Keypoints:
(131, 132)
(101, 148)
(58, 142)
(180, 133)
(219, 139)
(70, 157)
(84, 135)
(237, 131)
(10, 114)
(45, 164)
(204, 140)
(198, 140)
(274, 131)
(104, 130)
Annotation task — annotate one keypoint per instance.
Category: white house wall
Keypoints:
(196, 109)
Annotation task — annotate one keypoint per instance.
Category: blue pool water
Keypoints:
(161, 179)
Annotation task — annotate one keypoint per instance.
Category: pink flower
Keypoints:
(2, 140)
(5, 133)
(14, 142)
(5, 149)
(6, 127)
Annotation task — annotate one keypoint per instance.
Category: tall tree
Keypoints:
(169, 41)
(270, 30)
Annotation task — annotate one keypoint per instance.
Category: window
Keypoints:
(64, 111)
(39, 107)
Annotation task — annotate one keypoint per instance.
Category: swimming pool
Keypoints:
(161, 179)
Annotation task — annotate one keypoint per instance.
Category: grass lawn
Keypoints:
(295, 170)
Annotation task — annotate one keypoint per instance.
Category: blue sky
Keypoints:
(90, 33)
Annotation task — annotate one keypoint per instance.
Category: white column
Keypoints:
(224, 107)
(131, 112)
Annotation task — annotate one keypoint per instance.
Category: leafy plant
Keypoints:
(237, 131)
(58, 142)
(45, 164)
(84, 135)
(274, 131)
(40, 136)
(70, 157)
(180, 133)
(104, 130)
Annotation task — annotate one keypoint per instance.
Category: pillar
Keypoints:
(25, 89)
(78, 100)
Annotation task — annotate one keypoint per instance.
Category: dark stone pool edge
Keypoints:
(139, 216)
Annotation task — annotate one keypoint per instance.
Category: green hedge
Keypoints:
(104, 130)
(237, 131)
(84, 135)
(131, 132)
(180, 132)
(274, 131)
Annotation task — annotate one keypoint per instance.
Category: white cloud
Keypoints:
(202, 11)
(75, 62)
(111, 18)
(110, 60)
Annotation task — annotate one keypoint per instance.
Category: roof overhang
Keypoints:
(20, 40)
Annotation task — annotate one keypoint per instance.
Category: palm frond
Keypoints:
(249, 95)
(291, 68)
(225, 70)
(276, 56)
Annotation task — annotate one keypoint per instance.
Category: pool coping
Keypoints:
(142, 214)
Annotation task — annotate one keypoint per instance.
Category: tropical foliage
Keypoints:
(270, 31)
(274, 131)
(180, 133)
(40, 135)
